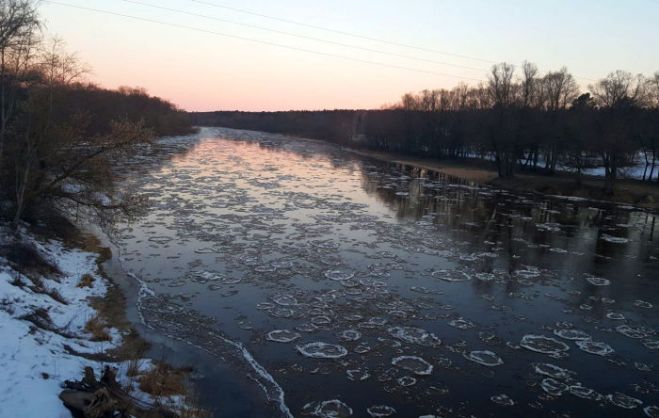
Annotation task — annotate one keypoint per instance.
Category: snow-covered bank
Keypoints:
(45, 336)
(36, 361)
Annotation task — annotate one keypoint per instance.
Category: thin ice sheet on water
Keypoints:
(595, 347)
(484, 357)
(350, 335)
(322, 350)
(283, 336)
(502, 399)
(328, 409)
(414, 364)
(553, 386)
(461, 324)
(651, 411)
(451, 275)
(643, 304)
(358, 375)
(543, 344)
(631, 332)
(614, 239)
(598, 281)
(380, 411)
(406, 381)
(624, 401)
(414, 335)
(339, 275)
(571, 334)
(584, 392)
(552, 370)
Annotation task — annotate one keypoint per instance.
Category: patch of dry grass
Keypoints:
(111, 309)
(98, 329)
(133, 346)
(164, 380)
(87, 280)
(90, 243)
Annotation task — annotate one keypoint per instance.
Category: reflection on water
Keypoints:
(367, 288)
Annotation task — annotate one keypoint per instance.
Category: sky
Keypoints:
(301, 54)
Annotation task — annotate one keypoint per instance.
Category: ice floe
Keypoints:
(484, 357)
(283, 336)
(543, 344)
(414, 335)
(414, 364)
(595, 347)
(322, 350)
(380, 411)
(624, 401)
(502, 399)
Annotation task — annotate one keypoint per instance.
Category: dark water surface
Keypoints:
(431, 295)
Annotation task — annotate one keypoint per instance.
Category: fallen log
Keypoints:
(104, 398)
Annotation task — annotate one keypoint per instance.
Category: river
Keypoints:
(341, 284)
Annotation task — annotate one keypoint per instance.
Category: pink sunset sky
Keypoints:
(212, 55)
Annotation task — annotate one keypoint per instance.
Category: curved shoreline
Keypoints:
(644, 195)
(144, 308)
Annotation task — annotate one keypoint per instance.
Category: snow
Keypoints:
(34, 361)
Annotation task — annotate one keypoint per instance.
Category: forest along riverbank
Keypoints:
(358, 286)
(628, 191)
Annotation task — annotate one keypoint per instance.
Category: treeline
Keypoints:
(102, 106)
(520, 120)
(59, 134)
(329, 125)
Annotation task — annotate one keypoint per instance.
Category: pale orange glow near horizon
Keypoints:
(201, 71)
(225, 83)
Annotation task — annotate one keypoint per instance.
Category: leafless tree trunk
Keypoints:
(18, 23)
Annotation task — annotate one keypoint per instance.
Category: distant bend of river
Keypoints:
(349, 286)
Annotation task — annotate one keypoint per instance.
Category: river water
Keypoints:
(341, 284)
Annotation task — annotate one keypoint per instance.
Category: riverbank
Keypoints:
(627, 191)
(62, 316)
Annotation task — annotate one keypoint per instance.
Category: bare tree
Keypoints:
(560, 89)
(501, 87)
(619, 88)
(617, 96)
(18, 18)
(649, 139)
(19, 24)
(529, 84)
(53, 148)
(653, 91)
(530, 93)
(430, 100)
(503, 127)
(409, 102)
(481, 97)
